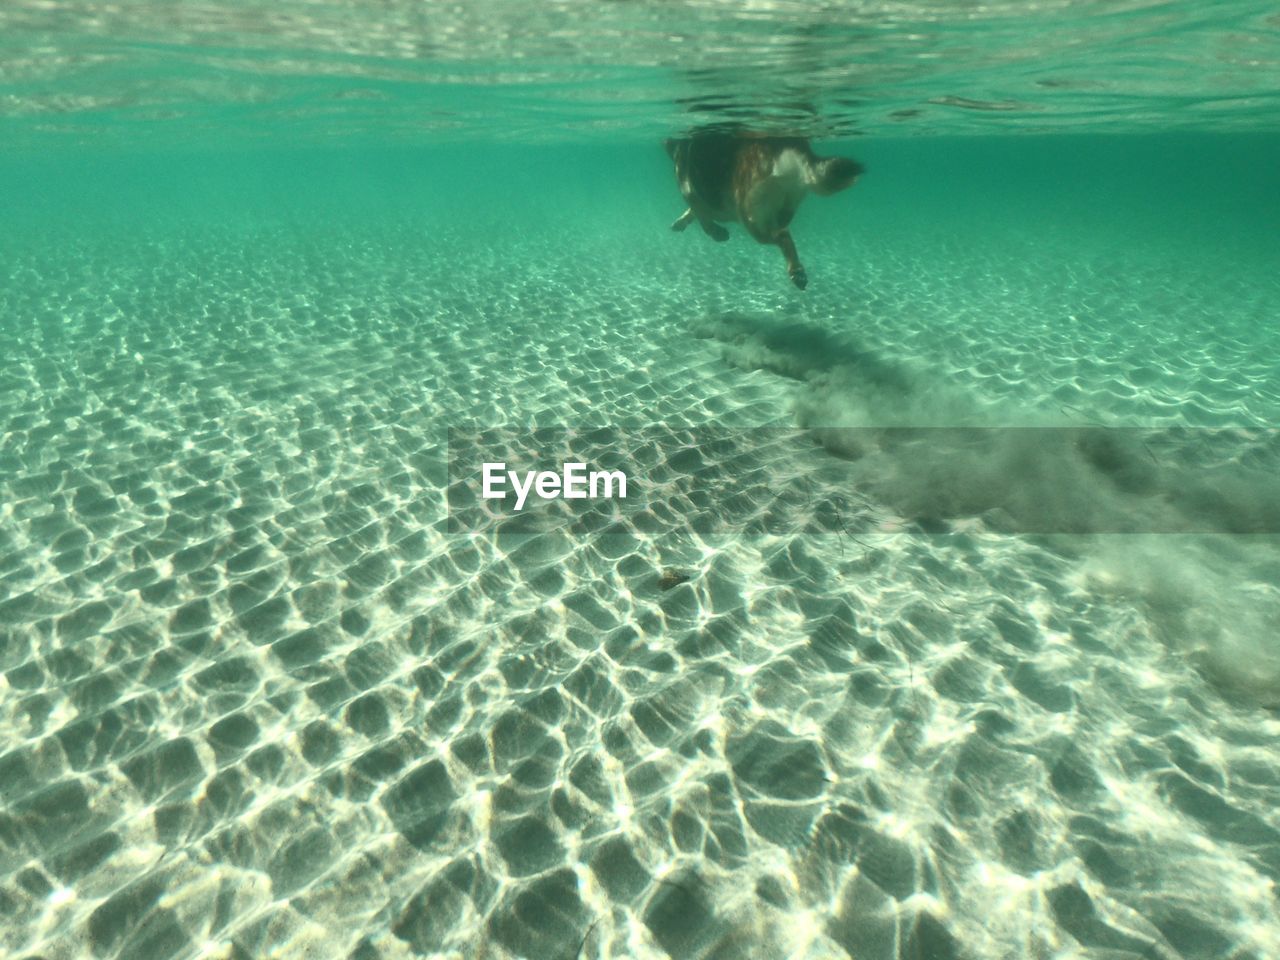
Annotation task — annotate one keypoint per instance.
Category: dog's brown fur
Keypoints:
(757, 181)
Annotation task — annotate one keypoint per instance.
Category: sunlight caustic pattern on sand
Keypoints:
(257, 702)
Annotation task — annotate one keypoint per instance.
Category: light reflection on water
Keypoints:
(412, 73)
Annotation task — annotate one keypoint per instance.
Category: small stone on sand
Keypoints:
(672, 578)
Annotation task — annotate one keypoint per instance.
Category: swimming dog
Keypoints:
(758, 181)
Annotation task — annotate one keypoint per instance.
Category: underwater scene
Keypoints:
(457, 501)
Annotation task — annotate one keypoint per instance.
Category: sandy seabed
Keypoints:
(257, 701)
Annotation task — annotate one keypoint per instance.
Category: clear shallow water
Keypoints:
(257, 700)
(319, 71)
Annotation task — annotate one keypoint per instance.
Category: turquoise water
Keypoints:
(258, 698)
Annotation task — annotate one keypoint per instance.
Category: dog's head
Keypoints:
(835, 174)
